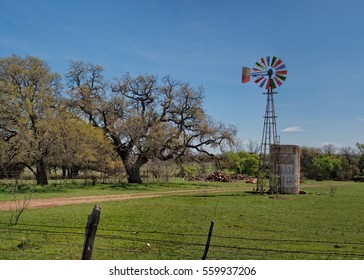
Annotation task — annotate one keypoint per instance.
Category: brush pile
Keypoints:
(219, 177)
(223, 177)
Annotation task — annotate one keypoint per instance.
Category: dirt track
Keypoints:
(52, 202)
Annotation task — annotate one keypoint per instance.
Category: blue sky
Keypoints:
(206, 43)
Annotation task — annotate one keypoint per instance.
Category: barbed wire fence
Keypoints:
(52, 242)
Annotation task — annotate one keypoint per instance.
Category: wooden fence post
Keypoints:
(90, 232)
(208, 240)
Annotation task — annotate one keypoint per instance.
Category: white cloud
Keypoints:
(293, 129)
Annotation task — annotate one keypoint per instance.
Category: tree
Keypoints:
(78, 146)
(349, 162)
(145, 117)
(252, 146)
(349, 154)
(36, 130)
(360, 148)
(326, 165)
(329, 149)
(8, 151)
(308, 155)
(29, 96)
(243, 162)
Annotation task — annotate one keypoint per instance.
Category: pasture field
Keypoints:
(325, 223)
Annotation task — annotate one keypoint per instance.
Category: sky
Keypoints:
(206, 43)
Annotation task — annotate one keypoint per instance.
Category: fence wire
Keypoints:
(53, 242)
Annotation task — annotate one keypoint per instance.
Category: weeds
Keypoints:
(20, 205)
(333, 191)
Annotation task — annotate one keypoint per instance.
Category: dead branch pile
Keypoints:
(223, 177)
(219, 177)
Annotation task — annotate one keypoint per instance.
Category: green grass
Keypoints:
(322, 224)
(84, 188)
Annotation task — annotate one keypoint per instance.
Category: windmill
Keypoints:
(268, 73)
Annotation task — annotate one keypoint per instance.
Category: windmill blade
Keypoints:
(282, 72)
(263, 82)
(267, 86)
(259, 65)
(273, 60)
(279, 61)
(268, 60)
(283, 78)
(257, 70)
(279, 83)
(259, 79)
(272, 84)
(263, 62)
(283, 66)
(245, 75)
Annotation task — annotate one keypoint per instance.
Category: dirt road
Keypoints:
(52, 202)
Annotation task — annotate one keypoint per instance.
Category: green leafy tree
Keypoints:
(9, 151)
(327, 165)
(79, 146)
(29, 96)
(243, 162)
(36, 130)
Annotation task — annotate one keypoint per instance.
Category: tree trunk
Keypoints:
(64, 172)
(133, 172)
(74, 170)
(132, 165)
(41, 173)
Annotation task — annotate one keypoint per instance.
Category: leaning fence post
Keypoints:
(90, 232)
(208, 240)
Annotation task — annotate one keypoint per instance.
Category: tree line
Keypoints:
(85, 121)
(325, 163)
(333, 163)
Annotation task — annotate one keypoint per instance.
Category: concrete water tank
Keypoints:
(286, 162)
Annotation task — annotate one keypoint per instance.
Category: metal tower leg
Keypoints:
(267, 173)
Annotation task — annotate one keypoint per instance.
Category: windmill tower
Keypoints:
(268, 73)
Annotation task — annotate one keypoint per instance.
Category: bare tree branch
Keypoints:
(145, 117)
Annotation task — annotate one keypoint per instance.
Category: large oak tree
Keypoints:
(29, 96)
(145, 117)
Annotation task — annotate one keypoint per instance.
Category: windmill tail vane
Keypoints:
(269, 72)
